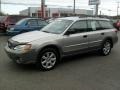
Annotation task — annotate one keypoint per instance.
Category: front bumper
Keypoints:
(12, 33)
(20, 57)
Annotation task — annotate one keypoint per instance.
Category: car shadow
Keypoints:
(64, 61)
(79, 57)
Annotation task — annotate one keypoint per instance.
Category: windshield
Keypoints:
(57, 27)
(21, 22)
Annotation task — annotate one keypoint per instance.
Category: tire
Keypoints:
(47, 59)
(106, 48)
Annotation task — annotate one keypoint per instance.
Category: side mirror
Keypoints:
(70, 31)
(27, 24)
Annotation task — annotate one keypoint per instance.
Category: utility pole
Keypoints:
(96, 3)
(0, 6)
(74, 8)
(96, 9)
(43, 8)
(118, 8)
(100, 13)
(29, 12)
(109, 12)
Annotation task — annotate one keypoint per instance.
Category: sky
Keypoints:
(107, 7)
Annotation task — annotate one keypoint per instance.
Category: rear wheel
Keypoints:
(106, 48)
(47, 59)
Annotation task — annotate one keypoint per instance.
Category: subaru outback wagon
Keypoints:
(63, 37)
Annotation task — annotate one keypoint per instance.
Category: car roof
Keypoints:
(84, 18)
(33, 18)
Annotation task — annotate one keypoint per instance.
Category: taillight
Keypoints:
(116, 30)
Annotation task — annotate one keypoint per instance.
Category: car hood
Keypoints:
(31, 36)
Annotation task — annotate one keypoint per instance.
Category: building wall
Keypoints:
(24, 12)
(33, 11)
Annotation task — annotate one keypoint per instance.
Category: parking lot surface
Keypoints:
(81, 72)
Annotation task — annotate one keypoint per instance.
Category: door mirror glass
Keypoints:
(71, 31)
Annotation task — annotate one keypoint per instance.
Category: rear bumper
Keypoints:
(20, 57)
(115, 40)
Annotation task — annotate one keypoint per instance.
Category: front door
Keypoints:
(76, 38)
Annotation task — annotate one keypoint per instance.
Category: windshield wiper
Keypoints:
(46, 31)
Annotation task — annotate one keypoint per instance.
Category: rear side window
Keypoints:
(93, 25)
(106, 24)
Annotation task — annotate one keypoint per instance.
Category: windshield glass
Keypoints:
(21, 22)
(57, 27)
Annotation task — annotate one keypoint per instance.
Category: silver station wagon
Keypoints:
(63, 37)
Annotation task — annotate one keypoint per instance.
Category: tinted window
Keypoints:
(13, 19)
(79, 26)
(94, 25)
(106, 24)
(42, 23)
(32, 23)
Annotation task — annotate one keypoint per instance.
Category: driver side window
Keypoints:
(32, 23)
(79, 27)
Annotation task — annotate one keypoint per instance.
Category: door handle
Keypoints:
(85, 36)
(102, 33)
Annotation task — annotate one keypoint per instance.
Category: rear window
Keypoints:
(2, 18)
(106, 25)
(21, 21)
(14, 19)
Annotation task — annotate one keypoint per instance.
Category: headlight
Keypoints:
(11, 29)
(23, 48)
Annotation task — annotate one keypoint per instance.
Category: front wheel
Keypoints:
(47, 59)
(106, 48)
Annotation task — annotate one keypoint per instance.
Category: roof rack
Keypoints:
(88, 16)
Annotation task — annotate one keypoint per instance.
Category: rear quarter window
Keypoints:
(106, 25)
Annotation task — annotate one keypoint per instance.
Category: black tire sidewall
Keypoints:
(39, 64)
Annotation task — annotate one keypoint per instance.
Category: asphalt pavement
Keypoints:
(81, 72)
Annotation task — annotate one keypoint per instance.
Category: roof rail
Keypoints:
(85, 16)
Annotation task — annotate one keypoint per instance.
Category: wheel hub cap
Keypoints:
(107, 47)
(48, 60)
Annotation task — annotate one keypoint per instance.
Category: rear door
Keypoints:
(95, 34)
